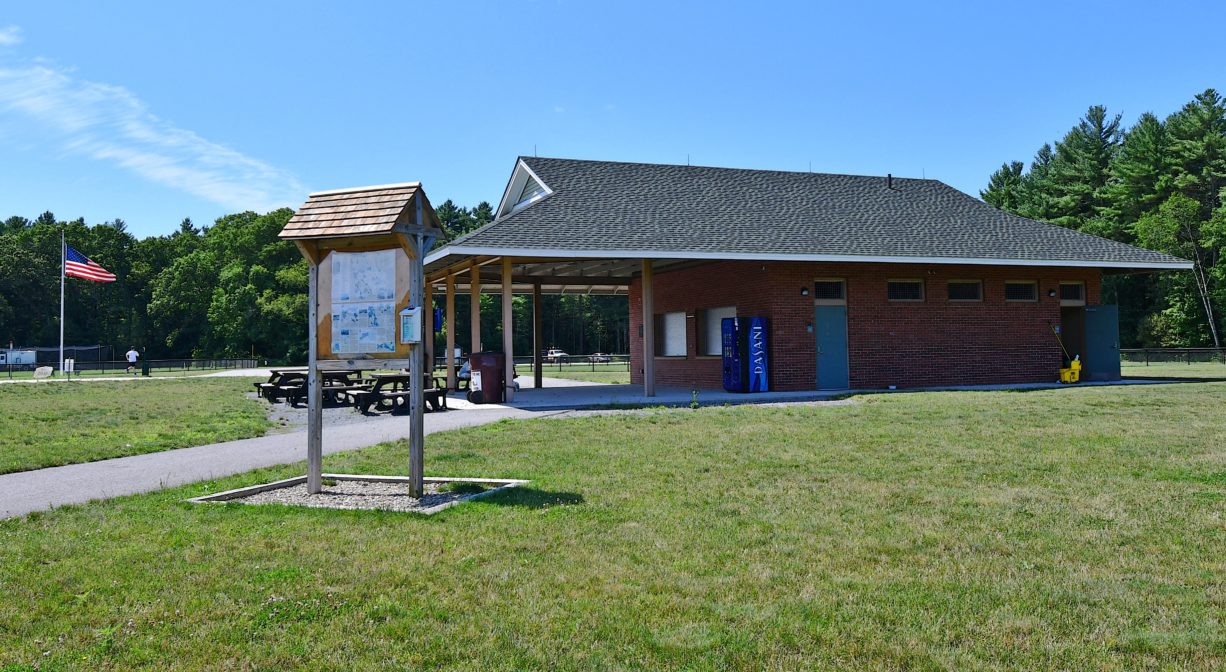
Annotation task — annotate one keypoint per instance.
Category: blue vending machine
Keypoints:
(756, 361)
(746, 365)
(730, 334)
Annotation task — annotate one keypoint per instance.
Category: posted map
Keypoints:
(364, 302)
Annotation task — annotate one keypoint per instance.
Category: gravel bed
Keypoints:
(357, 495)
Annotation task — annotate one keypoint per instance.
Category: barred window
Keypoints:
(1073, 291)
(1021, 290)
(965, 290)
(905, 290)
(828, 290)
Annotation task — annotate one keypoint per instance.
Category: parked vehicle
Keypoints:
(555, 355)
(599, 358)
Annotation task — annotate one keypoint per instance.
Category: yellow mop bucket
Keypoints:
(1072, 374)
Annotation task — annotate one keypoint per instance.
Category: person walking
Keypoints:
(132, 356)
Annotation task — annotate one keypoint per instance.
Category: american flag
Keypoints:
(77, 265)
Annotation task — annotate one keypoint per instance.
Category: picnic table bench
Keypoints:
(292, 384)
(391, 392)
(281, 382)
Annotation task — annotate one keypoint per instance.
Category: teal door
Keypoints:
(830, 327)
(1102, 357)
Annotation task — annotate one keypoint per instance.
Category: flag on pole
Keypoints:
(77, 265)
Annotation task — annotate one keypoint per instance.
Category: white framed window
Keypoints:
(670, 334)
(966, 290)
(710, 334)
(1072, 293)
(905, 290)
(1021, 290)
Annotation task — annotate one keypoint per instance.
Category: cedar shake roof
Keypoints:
(605, 208)
(358, 211)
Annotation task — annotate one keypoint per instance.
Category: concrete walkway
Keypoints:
(43, 489)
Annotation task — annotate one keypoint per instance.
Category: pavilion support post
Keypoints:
(451, 381)
(417, 352)
(427, 335)
(474, 308)
(508, 329)
(315, 420)
(649, 331)
(538, 363)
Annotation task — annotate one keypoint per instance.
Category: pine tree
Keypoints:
(1080, 169)
(1004, 187)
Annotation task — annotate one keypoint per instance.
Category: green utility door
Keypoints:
(1102, 333)
(830, 327)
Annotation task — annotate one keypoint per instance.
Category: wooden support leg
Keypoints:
(314, 390)
(649, 332)
(537, 353)
(508, 329)
(451, 381)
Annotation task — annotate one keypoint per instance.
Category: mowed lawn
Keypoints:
(53, 423)
(608, 374)
(1060, 529)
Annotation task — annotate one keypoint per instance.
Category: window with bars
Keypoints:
(1072, 293)
(829, 291)
(905, 290)
(1021, 290)
(965, 290)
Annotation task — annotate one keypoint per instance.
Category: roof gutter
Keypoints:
(473, 251)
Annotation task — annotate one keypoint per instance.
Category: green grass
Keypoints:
(1071, 529)
(1174, 370)
(54, 423)
(609, 374)
(112, 373)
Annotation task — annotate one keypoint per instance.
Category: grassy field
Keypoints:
(1173, 370)
(1060, 529)
(610, 374)
(54, 423)
(5, 374)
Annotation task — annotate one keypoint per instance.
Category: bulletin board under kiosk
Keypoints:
(364, 310)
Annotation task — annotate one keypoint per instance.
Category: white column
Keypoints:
(451, 381)
(649, 332)
(508, 328)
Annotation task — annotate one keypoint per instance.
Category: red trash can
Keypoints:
(488, 382)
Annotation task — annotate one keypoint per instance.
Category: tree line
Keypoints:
(1158, 184)
(228, 290)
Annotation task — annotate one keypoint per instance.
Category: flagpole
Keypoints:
(63, 269)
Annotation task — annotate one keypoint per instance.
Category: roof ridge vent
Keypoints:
(889, 181)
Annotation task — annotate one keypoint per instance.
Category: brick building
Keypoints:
(866, 282)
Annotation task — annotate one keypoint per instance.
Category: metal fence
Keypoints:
(104, 367)
(1188, 356)
(599, 362)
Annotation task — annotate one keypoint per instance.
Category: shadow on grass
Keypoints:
(531, 498)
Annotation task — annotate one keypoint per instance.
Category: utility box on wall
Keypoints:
(745, 354)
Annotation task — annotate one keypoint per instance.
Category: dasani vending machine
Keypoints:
(746, 366)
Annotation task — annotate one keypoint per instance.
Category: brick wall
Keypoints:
(934, 342)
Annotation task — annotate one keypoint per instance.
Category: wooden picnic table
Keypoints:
(391, 392)
(291, 383)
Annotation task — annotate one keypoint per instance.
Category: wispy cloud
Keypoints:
(10, 35)
(108, 123)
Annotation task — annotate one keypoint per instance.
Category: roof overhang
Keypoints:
(452, 255)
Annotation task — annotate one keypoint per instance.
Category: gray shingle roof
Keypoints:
(631, 207)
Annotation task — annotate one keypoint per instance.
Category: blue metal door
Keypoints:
(830, 327)
(1102, 358)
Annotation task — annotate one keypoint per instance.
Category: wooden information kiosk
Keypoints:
(365, 248)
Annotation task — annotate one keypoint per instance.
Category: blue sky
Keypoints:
(152, 112)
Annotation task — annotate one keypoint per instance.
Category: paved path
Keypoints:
(44, 489)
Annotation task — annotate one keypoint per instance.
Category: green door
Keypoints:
(1102, 333)
(830, 327)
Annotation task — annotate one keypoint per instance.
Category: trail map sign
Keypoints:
(365, 249)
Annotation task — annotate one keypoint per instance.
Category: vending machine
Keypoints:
(745, 348)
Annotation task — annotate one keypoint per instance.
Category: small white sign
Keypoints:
(410, 325)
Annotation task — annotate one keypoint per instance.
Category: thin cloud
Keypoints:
(108, 123)
(9, 36)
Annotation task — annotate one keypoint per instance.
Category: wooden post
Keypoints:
(474, 309)
(451, 381)
(508, 329)
(649, 332)
(537, 354)
(315, 455)
(416, 371)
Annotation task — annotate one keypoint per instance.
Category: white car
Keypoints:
(554, 355)
(599, 358)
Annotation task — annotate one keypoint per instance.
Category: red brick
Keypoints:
(933, 342)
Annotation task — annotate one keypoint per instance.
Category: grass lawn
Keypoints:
(1059, 529)
(1173, 370)
(610, 374)
(53, 423)
(112, 373)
